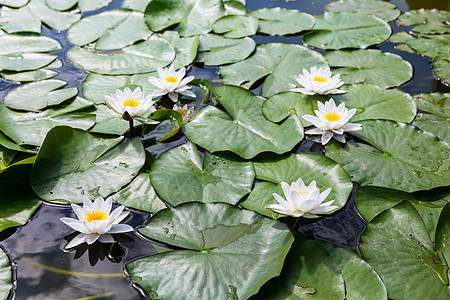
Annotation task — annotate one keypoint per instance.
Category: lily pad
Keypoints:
(347, 30)
(431, 47)
(213, 179)
(435, 103)
(189, 14)
(232, 252)
(235, 7)
(281, 62)
(106, 123)
(280, 21)
(84, 5)
(217, 50)
(435, 124)
(370, 66)
(14, 3)
(397, 245)
(185, 47)
(143, 57)
(110, 30)
(427, 20)
(236, 26)
(308, 167)
(373, 102)
(29, 76)
(138, 5)
(441, 68)
(383, 10)
(38, 95)
(398, 159)
(72, 163)
(11, 145)
(30, 17)
(5, 275)
(242, 128)
(139, 194)
(400, 37)
(29, 128)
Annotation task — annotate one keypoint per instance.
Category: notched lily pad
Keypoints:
(236, 26)
(427, 20)
(185, 47)
(83, 5)
(435, 103)
(383, 10)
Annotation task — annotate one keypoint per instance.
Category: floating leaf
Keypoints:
(397, 245)
(437, 125)
(189, 14)
(370, 66)
(217, 50)
(400, 37)
(84, 5)
(108, 124)
(72, 163)
(138, 5)
(29, 128)
(235, 7)
(139, 194)
(14, 3)
(373, 102)
(38, 95)
(213, 179)
(383, 10)
(441, 68)
(431, 47)
(347, 30)
(308, 167)
(143, 57)
(435, 103)
(185, 47)
(234, 26)
(229, 250)
(114, 29)
(398, 161)
(37, 75)
(242, 129)
(427, 20)
(281, 62)
(30, 18)
(280, 21)
(6, 284)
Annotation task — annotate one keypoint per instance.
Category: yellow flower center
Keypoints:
(332, 116)
(131, 102)
(171, 79)
(320, 79)
(300, 192)
(97, 214)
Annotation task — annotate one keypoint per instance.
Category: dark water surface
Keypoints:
(44, 271)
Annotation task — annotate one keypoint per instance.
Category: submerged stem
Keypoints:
(131, 128)
(297, 223)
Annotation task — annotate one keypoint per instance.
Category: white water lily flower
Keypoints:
(185, 111)
(172, 83)
(319, 81)
(332, 121)
(129, 104)
(96, 222)
(301, 200)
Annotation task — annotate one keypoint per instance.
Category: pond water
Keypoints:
(42, 270)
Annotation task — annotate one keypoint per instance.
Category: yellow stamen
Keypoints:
(320, 79)
(300, 192)
(97, 214)
(131, 102)
(332, 116)
(171, 79)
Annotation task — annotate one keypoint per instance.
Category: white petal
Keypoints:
(282, 201)
(340, 138)
(91, 238)
(326, 137)
(77, 240)
(173, 97)
(352, 127)
(120, 228)
(106, 238)
(75, 225)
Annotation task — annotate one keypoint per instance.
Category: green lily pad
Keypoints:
(236, 26)
(235, 7)
(96, 86)
(189, 14)
(138, 5)
(29, 76)
(10, 144)
(437, 125)
(370, 66)
(280, 21)
(441, 68)
(431, 47)
(232, 252)
(110, 30)
(143, 57)
(443, 231)
(139, 194)
(6, 156)
(30, 17)
(5, 275)
(84, 5)
(347, 30)
(38, 95)
(217, 50)
(397, 245)
(242, 128)
(185, 47)
(73, 163)
(427, 20)
(400, 37)
(29, 128)
(373, 102)
(396, 159)
(281, 62)
(308, 167)
(180, 175)
(14, 3)
(435, 103)
(383, 10)
(106, 123)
